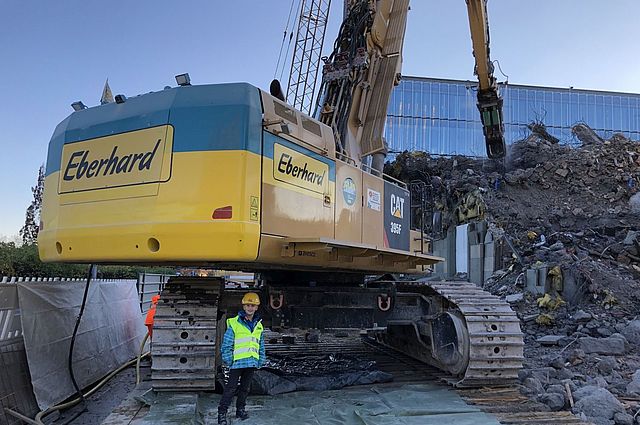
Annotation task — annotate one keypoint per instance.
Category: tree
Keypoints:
(29, 231)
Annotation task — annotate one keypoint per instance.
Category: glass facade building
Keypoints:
(440, 116)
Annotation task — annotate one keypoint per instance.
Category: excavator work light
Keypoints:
(183, 79)
(120, 98)
(78, 106)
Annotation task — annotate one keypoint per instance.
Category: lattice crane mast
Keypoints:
(312, 24)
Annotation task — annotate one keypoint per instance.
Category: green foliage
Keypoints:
(24, 261)
(6, 262)
(131, 272)
(29, 231)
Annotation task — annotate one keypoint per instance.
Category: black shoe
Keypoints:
(222, 418)
(242, 414)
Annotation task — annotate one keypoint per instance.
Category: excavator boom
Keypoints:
(489, 99)
(360, 73)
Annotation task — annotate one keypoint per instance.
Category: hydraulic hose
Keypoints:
(144, 341)
(75, 332)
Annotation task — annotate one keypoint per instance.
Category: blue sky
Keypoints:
(54, 53)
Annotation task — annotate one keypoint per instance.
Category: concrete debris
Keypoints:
(598, 404)
(514, 298)
(550, 339)
(555, 401)
(607, 365)
(581, 316)
(623, 419)
(634, 385)
(557, 363)
(634, 203)
(609, 346)
(632, 332)
(567, 221)
(586, 135)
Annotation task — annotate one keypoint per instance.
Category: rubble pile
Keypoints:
(572, 214)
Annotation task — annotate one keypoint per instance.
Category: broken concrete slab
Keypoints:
(514, 298)
(581, 316)
(609, 346)
(550, 339)
(555, 401)
(632, 332)
(634, 385)
(597, 402)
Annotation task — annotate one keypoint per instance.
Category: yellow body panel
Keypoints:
(295, 208)
(299, 172)
(348, 203)
(178, 218)
(372, 214)
(134, 158)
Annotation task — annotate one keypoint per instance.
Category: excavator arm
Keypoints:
(359, 75)
(489, 99)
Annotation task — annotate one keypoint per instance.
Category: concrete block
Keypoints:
(533, 282)
(445, 248)
(476, 271)
(476, 251)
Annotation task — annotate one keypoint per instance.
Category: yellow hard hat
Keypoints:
(251, 298)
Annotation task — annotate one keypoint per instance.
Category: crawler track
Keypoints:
(493, 352)
(184, 335)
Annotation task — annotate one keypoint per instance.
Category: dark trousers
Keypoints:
(244, 376)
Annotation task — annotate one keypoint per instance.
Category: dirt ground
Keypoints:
(101, 403)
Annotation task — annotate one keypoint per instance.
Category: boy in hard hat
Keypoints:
(243, 352)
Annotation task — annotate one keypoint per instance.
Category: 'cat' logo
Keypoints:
(397, 206)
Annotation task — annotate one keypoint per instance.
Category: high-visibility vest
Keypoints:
(246, 343)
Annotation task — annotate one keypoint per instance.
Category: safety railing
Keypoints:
(150, 284)
(10, 325)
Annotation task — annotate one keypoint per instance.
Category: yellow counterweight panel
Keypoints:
(176, 225)
(293, 207)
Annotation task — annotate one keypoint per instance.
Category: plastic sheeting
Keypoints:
(109, 335)
(269, 383)
(417, 404)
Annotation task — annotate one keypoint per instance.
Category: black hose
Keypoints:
(75, 331)
(75, 416)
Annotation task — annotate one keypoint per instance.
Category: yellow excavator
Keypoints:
(232, 177)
